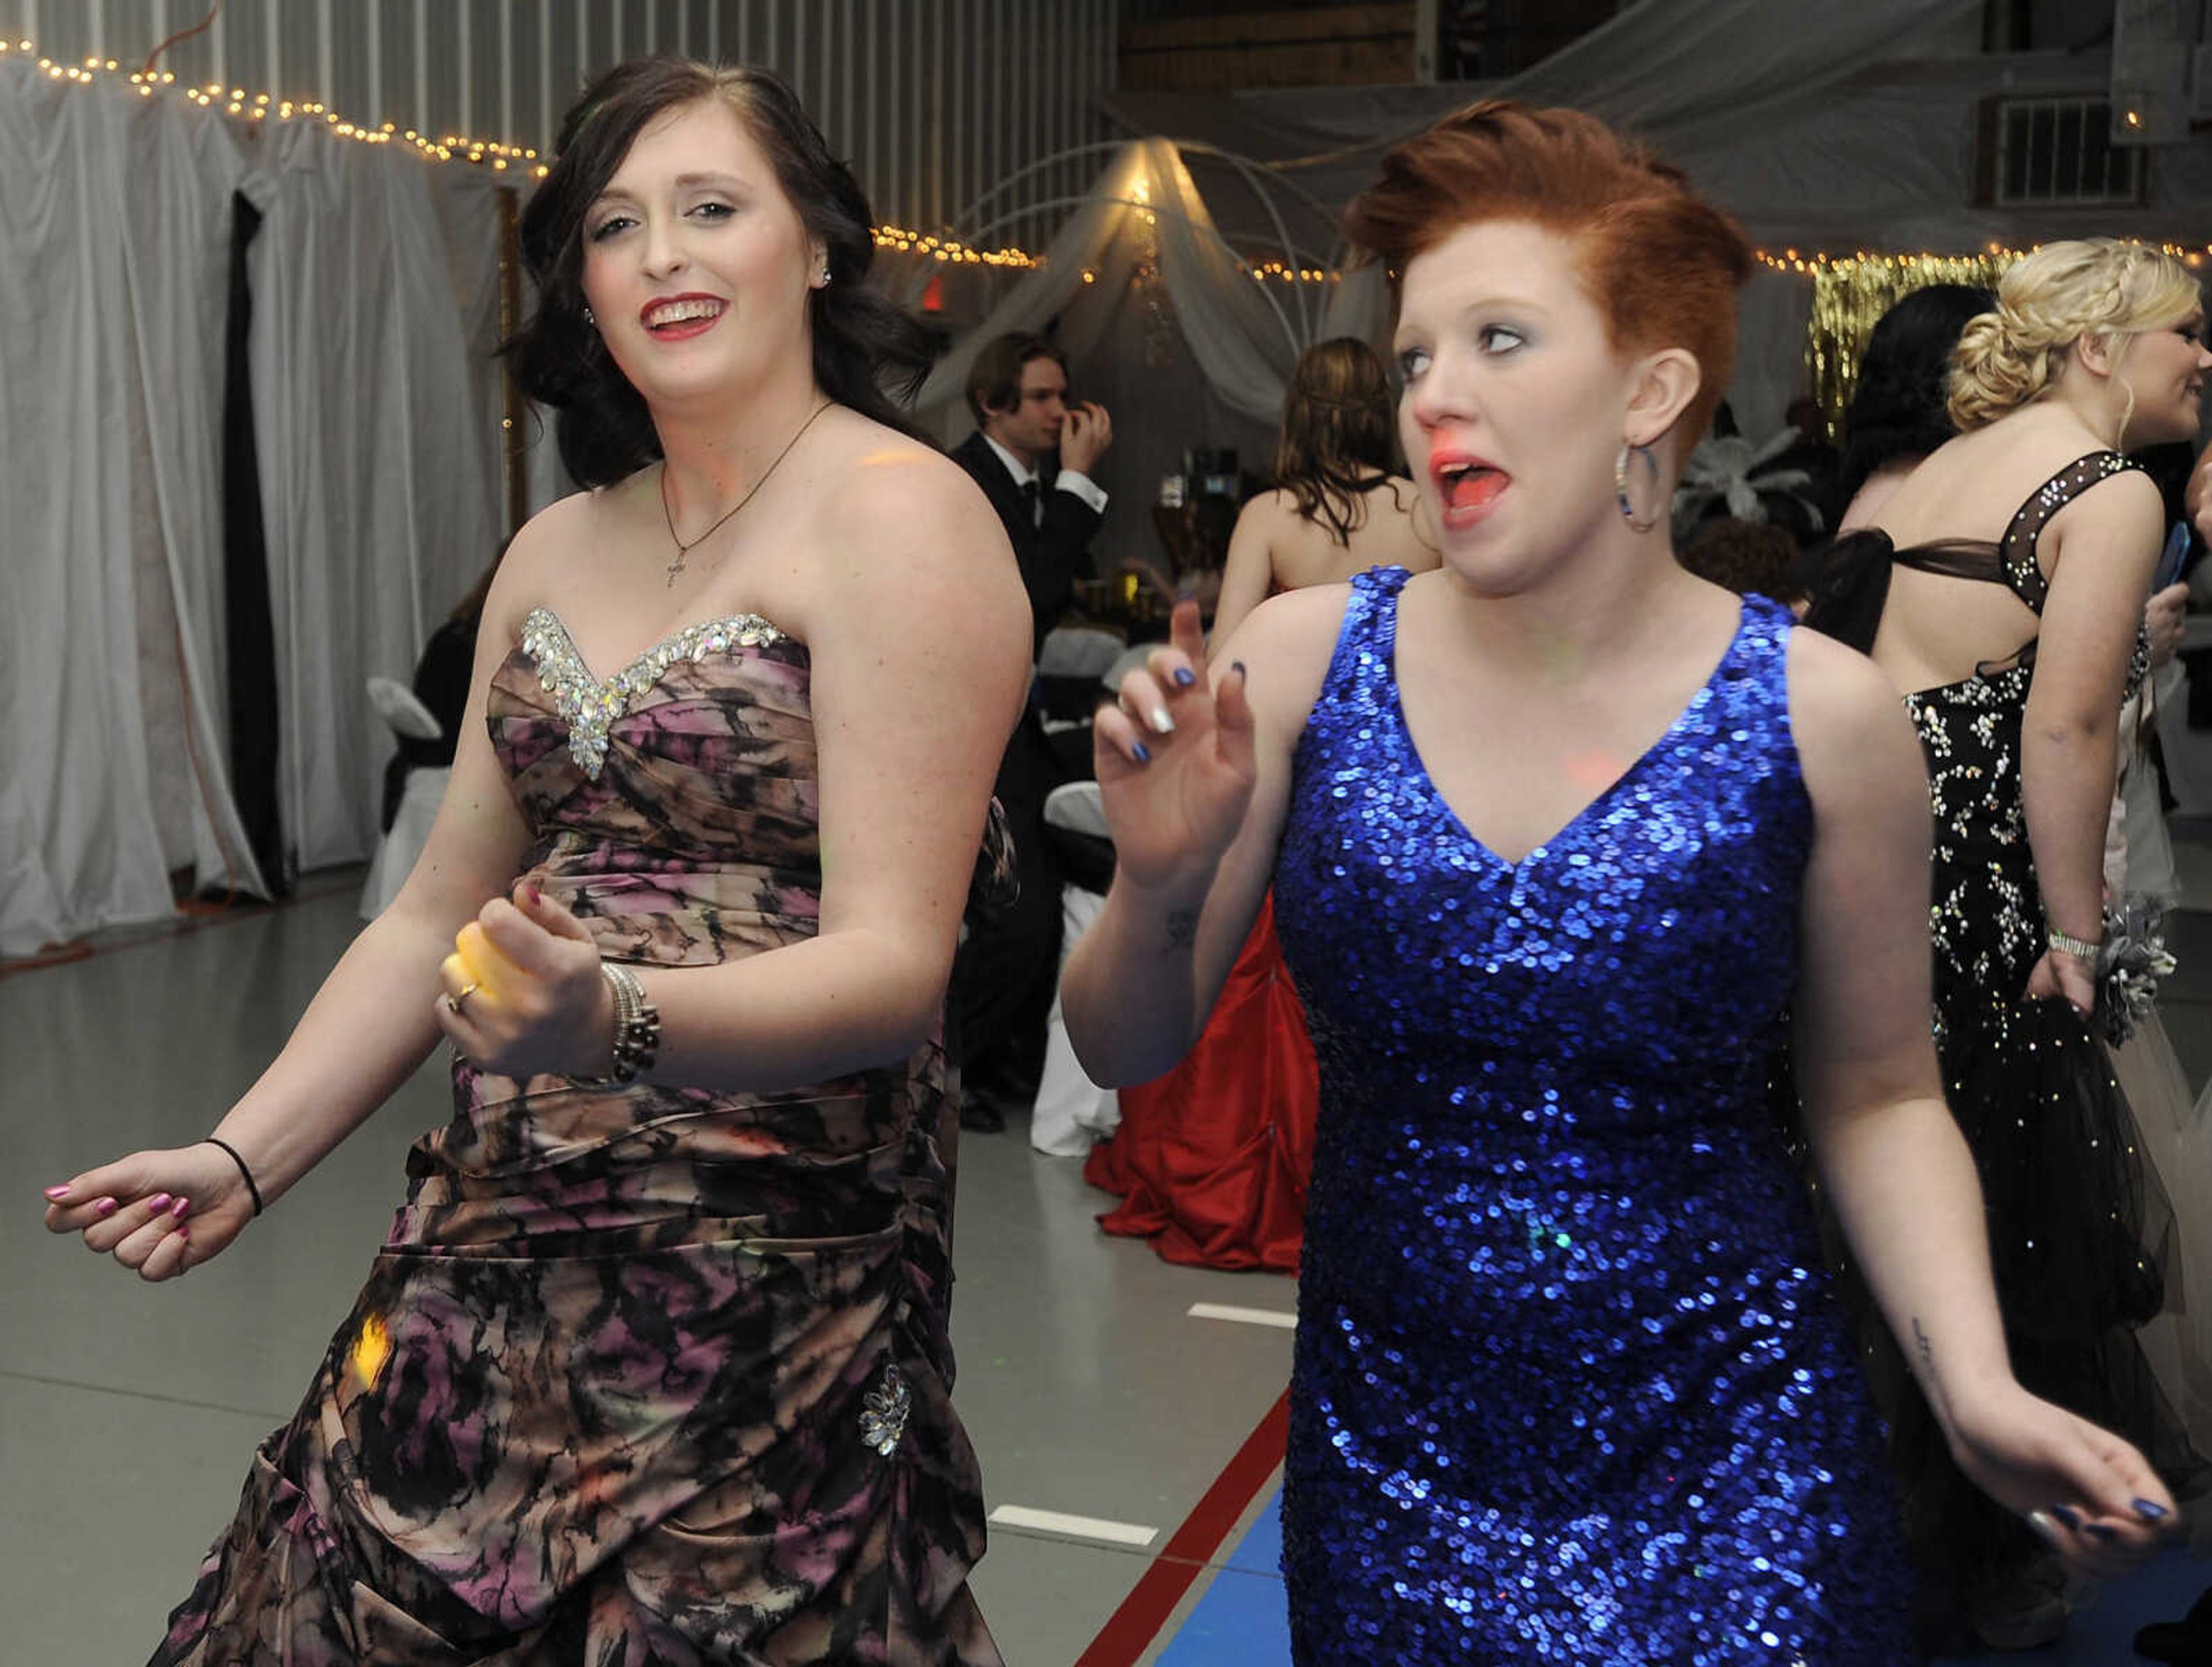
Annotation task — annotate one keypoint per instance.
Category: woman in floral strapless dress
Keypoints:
(652, 1367)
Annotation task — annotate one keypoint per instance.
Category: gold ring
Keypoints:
(453, 1002)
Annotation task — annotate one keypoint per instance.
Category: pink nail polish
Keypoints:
(158, 1203)
(178, 1209)
(535, 895)
(56, 1192)
(184, 1234)
(106, 1206)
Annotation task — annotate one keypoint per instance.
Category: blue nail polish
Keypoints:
(1238, 667)
(2101, 1531)
(1185, 676)
(2069, 1515)
(2151, 1510)
(1144, 753)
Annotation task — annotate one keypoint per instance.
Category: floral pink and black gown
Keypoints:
(645, 1376)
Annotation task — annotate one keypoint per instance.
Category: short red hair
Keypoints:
(1662, 264)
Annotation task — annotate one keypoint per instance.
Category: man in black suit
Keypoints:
(1033, 455)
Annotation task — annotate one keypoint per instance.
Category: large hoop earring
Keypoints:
(1620, 485)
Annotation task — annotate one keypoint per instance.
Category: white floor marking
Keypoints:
(1222, 1310)
(1086, 1528)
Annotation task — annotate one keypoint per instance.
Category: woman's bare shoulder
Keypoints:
(1973, 484)
(1285, 645)
(544, 553)
(875, 471)
(1394, 533)
(908, 535)
(1838, 697)
(1269, 511)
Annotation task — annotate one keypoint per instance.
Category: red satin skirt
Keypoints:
(1212, 1159)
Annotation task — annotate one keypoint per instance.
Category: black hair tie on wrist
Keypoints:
(251, 1190)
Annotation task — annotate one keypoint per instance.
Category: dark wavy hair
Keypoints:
(1339, 434)
(994, 380)
(1899, 408)
(863, 344)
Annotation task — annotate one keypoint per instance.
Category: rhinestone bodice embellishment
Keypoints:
(590, 708)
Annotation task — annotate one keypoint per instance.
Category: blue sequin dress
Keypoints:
(1569, 1386)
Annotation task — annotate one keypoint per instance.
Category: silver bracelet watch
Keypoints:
(2081, 947)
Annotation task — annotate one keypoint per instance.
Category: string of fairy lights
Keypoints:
(900, 240)
(444, 148)
(1850, 292)
(237, 101)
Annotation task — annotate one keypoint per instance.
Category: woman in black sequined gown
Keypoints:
(2004, 591)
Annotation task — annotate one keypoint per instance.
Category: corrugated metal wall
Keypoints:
(933, 101)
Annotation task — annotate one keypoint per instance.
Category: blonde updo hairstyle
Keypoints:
(2049, 301)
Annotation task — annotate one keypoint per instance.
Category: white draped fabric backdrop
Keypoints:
(1693, 77)
(374, 282)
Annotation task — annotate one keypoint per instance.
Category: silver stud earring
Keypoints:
(823, 283)
(589, 319)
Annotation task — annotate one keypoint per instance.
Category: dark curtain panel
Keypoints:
(248, 621)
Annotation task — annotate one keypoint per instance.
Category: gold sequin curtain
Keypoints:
(1850, 293)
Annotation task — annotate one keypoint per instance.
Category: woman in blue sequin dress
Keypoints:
(1556, 832)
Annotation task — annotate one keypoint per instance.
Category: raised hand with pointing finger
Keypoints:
(1174, 760)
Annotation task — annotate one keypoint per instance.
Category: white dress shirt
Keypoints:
(1067, 480)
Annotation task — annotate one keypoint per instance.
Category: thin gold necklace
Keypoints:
(683, 550)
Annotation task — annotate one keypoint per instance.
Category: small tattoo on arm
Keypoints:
(1924, 1351)
(1182, 928)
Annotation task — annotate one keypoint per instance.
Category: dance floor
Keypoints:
(1127, 1413)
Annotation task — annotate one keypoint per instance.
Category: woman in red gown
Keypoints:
(1211, 1159)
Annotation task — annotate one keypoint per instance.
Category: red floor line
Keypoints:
(1131, 1629)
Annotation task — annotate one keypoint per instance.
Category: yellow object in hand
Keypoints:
(481, 964)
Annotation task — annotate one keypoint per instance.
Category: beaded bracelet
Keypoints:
(253, 1191)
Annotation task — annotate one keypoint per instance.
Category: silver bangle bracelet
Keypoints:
(637, 1026)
